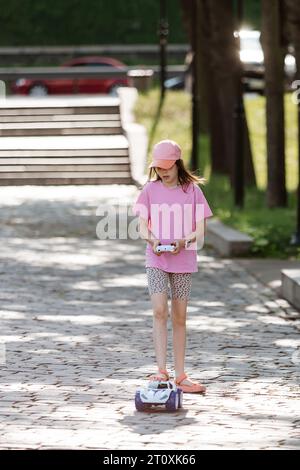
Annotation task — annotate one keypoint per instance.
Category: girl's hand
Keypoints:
(155, 244)
(178, 245)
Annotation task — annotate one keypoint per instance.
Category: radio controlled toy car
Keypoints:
(158, 393)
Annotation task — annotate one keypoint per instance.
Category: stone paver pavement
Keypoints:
(76, 338)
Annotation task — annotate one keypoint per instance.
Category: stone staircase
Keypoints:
(76, 140)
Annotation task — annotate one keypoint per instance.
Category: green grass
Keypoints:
(174, 121)
(270, 228)
(255, 112)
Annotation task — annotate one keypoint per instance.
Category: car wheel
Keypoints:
(180, 398)
(113, 91)
(38, 90)
(139, 404)
(173, 402)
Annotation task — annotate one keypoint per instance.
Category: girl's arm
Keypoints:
(145, 233)
(198, 235)
(199, 232)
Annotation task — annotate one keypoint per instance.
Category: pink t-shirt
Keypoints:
(172, 214)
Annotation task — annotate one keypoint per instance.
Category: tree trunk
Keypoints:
(274, 78)
(225, 71)
(218, 65)
(292, 28)
(292, 16)
(201, 59)
(215, 118)
(203, 69)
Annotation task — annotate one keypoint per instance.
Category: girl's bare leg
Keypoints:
(179, 313)
(160, 328)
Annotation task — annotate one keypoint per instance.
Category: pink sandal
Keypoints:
(162, 376)
(193, 388)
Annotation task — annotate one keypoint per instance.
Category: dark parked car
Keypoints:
(59, 86)
(252, 58)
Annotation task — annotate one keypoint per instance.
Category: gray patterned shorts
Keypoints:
(180, 283)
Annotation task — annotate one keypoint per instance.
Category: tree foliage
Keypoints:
(68, 22)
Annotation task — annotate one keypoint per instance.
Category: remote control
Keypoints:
(163, 248)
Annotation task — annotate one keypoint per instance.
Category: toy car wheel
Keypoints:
(140, 406)
(180, 397)
(173, 402)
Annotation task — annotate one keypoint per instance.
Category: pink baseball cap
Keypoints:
(165, 153)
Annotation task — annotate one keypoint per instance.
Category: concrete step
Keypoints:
(60, 128)
(65, 111)
(226, 240)
(59, 125)
(62, 101)
(63, 143)
(61, 118)
(50, 160)
(65, 174)
(84, 179)
(4, 169)
(29, 106)
(290, 286)
(6, 155)
(62, 160)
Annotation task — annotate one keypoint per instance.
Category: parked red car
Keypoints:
(59, 86)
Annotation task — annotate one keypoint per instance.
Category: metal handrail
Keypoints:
(13, 73)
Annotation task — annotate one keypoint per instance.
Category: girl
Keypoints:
(174, 191)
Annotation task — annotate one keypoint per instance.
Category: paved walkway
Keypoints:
(76, 328)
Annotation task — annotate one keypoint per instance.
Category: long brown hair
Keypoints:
(185, 176)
